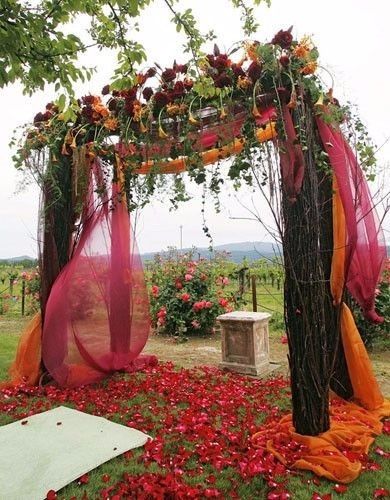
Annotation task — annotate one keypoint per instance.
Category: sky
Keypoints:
(352, 38)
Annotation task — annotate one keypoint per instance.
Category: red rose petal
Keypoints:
(340, 488)
(381, 493)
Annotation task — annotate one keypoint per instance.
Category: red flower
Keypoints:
(168, 75)
(161, 99)
(151, 72)
(162, 312)
(221, 62)
(178, 90)
(237, 70)
(88, 99)
(180, 68)
(185, 297)
(222, 80)
(51, 495)
(223, 302)
(284, 61)
(254, 71)
(147, 93)
(283, 39)
(155, 290)
(188, 83)
(178, 284)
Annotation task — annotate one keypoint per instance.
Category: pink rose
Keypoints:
(188, 277)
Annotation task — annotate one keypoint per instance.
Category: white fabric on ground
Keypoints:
(56, 447)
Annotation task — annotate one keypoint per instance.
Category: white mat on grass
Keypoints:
(56, 447)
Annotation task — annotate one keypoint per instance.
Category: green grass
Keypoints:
(8, 344)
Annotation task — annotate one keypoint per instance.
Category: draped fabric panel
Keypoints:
(365, 249)
(97, 316)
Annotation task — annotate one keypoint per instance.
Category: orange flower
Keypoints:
(304, 47)
(244, 82)
(137, 111)
(251, 50)
(100, 109)
(309, 68)
(255, 111)
(173, 109)
(111, 123)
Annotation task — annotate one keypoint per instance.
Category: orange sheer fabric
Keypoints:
(333, 454)
(366, 390)
(337, 276)
(26, 368)
(208, 157)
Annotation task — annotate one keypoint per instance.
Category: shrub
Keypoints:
(186, 295)
(377, 334)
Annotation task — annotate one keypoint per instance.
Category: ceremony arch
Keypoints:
(102, 157)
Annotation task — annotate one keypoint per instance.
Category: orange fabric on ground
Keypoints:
(337, 275)
(26, 368)
(365, 386)
(352, 430)
(208, 157)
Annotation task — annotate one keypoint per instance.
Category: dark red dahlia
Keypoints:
(237, 70)
(180, 68)
(151, 72)
(222, 80)
(112, 104)
(168, 75)
(88, 99)
(87, 113)
(178, 90)
(283, 39)
(147, 93)
(211, 60)
(254, 71)
(188, 84)
(106, 90)
(161, 99)
(38, 118)
(46, 116)
(284, 61)
(221, 62)
(129, 106)
(129, 93)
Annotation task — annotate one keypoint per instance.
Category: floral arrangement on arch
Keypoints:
(167, 106)
(187, 295)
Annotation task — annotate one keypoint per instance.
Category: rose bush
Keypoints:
(377, 334)
(186, 295)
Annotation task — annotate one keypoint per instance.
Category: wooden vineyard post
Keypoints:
(254, 293)
(23, 295)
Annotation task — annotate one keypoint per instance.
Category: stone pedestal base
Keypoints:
(245, 342)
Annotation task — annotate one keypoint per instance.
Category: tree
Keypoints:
(36, 47)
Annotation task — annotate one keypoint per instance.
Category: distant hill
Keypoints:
(16, 260)
(237, 252)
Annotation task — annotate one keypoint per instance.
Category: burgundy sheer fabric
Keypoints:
(97, 316)
(291, 158)
(366, 249)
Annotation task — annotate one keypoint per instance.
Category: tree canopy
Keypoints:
(39, 44)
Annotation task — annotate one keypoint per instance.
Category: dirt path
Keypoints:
(207, 351)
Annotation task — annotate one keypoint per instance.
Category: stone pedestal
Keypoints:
(245, 342)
